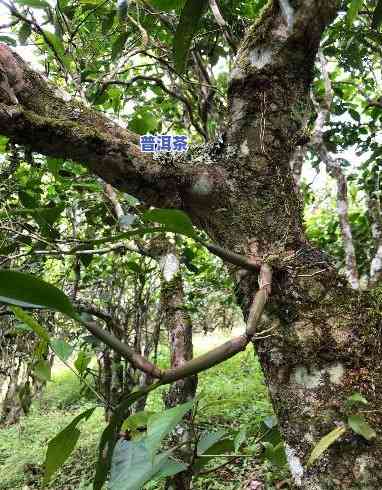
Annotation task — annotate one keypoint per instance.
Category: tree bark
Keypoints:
(333, 166)
(374, 208)
(326, 337)
(177, 322)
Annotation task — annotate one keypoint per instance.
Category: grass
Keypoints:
(231, 395)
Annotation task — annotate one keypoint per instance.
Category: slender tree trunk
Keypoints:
(333, 166)
(375, 214)
(178, 324)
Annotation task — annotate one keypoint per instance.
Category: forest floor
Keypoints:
(232, 397)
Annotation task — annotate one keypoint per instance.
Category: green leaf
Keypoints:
(132, 465)
(240, 438)
(138, 419)
(61, 446)
(166, 5)
(42, 370)
(61, 348)
(325, 442)
(22, 289)
(223, 446)
(3, 143)
(37, 4)
(174, 220)
(170, 468)
(54, 165)
(118, 45)
(354, 8)
(143, 122)
(275, 454)
(161, 424)
(355, 115)
(186, 30)
(8, 40)
(377, 16)
(31, 322)
(208, 439)
(24, 32)
(361, 427)
(82, 361)
(107, 22)
(55, 42)
(109, 436)
(28, 199)
(356, 398)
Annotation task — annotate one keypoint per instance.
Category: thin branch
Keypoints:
(36, 27)
(223, 24)
(201, 363)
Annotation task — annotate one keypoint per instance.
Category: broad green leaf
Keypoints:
(170, 468)
(354, 8)
(361, 427)
(355, 115)
(55, 42)
(134, 266)
(167, 5)
(377, 16)
(82, 361)
(221, 447)
(109, 436)
(37, 4)
(28, 200)
(275, 454)
(22, 289)
(240, 438)
(8, 40)
(138, 419)
(24, 32)
(143, 122)
(208, 439)
(41, 215)
(161, 424)
(54, 165)
(325, 442)
(186, 30)
(31, 322)
(174, 220)
(356, 398)
(61, 446)
(86, 259)
(42, 370)
(118, 45)
(132, 465)
(3, 143)
(61, 348)
(107, 22)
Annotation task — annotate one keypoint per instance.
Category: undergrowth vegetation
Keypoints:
(226, 401)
